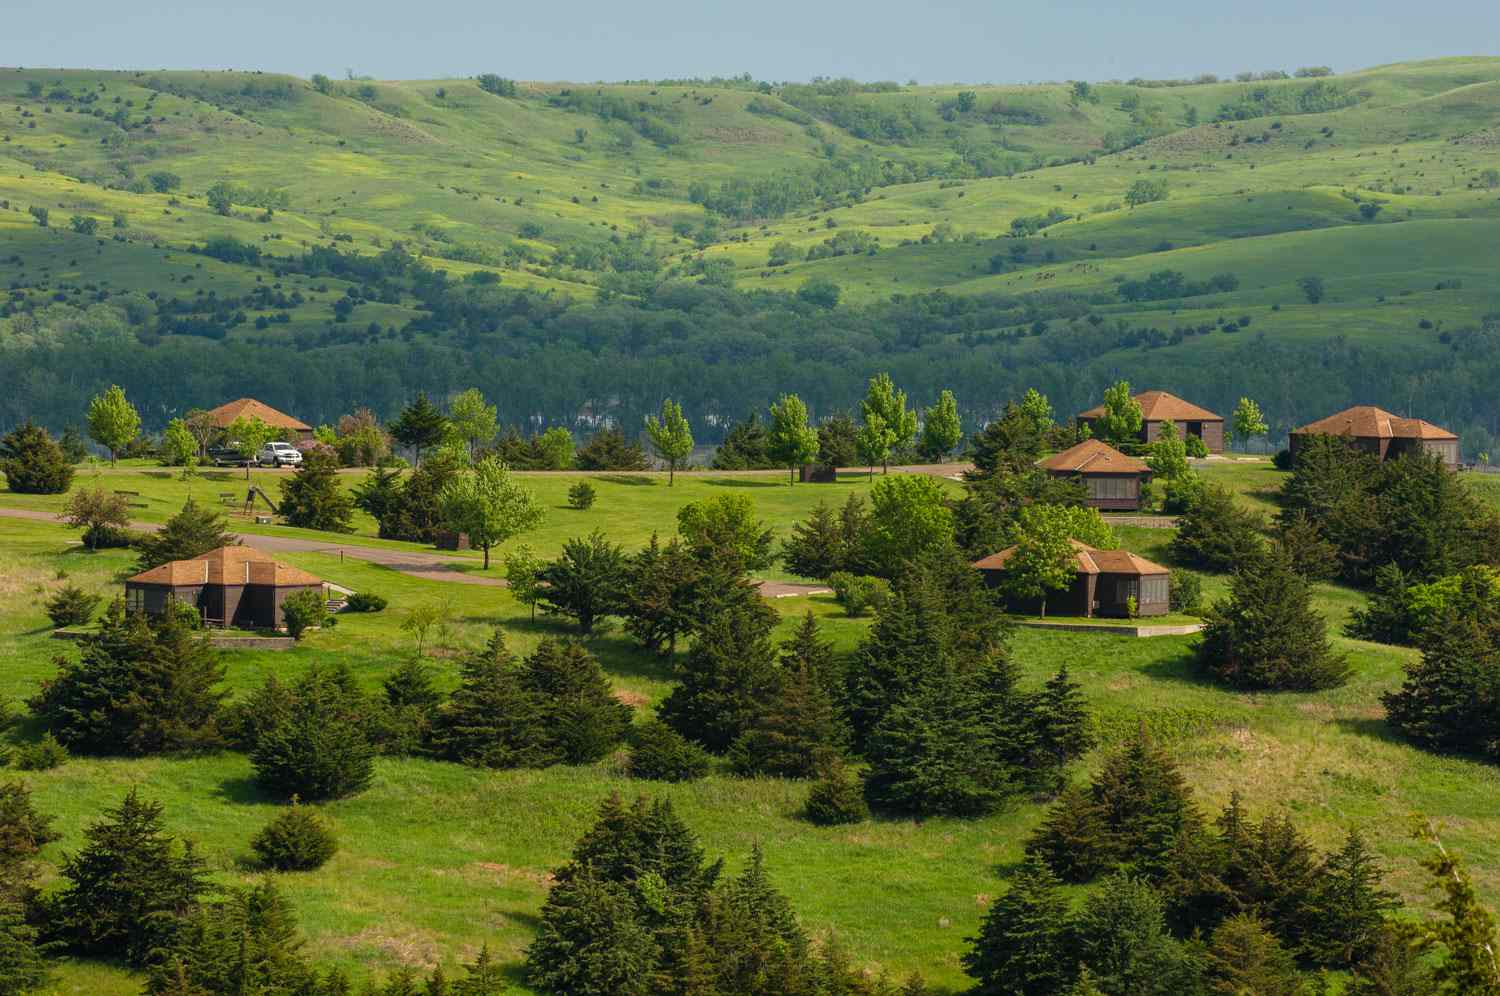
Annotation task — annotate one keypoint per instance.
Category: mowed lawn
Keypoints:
(437, 859)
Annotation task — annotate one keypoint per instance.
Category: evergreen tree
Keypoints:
(1074, 838)
(838, 442)
(1466, 934)
(1312, 556)
(1245, 957)
(933, 753)
(662, 595)
(1348, 909)
(1448, 701)
(1063, 731)
(1216, 533)
(592, 942)
(490, 720)
(129, 886)
(247, 942)
(836, 798)
(608, 449)
(191, 532)
(23, 833)
(744, 447)
(1122, 937)
(1025, 945)
(319, 747)
(413, 511)
(296, 840)
(588, 581)
(815, 549)
(1395, 965)
(23, 966)
(1010, 445)
(729, 672)
(312, 497)
(753, 938)
(1266, 634)
(660, 753)
(33, 463)
(138, 687)
(420, 426)
(1270, 870)
(798, 728)
(575, 704)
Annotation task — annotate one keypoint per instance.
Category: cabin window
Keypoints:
(135, 599)
(1153, 589)
(1111, 487)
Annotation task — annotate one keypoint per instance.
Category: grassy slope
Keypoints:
(437, 859)
(476, 168)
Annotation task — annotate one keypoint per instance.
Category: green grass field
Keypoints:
(437, 859)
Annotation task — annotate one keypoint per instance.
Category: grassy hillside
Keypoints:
(437, 859)
(1383, 183)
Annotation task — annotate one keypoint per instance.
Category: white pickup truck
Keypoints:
(279, 454)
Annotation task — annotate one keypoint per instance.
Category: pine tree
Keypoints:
(662, 595)
(576, 705)
(313, 498)
(248, 942)
(1122, 938)
(592, 942)
(660, 753)
(796, 731)
(128, 887)
(1217, 533)
(1074, 839)
(836, 798)
(729, 672)
(319, 748)
(33, 463)
(1147, 804)
(491, 720)
(1447, 701)
(1270, 870)
(933, 753)
(420, 426)
(298, 839)
(1466, 934)
(1245, 957)
(755, 942)
(816, 547)
(1349, 907)
(1063, 730)
(1266, 635)
(191, 532)
(138, 687)
(1025, 945)
(23, 966)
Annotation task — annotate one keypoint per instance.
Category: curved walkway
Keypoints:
(429, 566)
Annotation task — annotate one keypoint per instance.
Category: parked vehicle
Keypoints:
(279, 454)
(228, 455)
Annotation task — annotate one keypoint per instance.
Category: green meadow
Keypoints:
(437, 859)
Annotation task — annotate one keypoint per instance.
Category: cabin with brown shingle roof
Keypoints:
(1377, 431)
(296, 430)
(1113, 480)
(1105, 581)
(231, 586)
(1158, 407)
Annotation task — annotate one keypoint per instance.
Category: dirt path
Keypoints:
(429, 566)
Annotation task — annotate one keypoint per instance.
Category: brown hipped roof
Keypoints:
(1088, 559)
(228, 565)
(1369, 422)
(224, 415)
(1093, 457)
(1159, 406)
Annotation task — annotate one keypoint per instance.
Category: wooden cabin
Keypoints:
(295, 430)
(1158, 407)
(231, 586)
(1104, 583)
(1113, 480)
(1377, 431)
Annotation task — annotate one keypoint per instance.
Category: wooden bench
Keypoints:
(132, 494)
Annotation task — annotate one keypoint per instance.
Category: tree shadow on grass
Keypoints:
(246, 791)
(635, 480)
(1179, 668)
(742, 482)
(1372, 728)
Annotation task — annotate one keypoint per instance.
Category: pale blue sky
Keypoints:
(585, 40)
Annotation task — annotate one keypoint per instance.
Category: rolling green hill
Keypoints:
(604, 245)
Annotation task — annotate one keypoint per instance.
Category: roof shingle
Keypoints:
(228, 565)
(1088, 560)
(224, 415)
(1093, 457)
(1159, 406)
(1369, 422)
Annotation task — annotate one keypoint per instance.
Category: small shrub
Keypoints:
(109, 538)
(1196, 447)
(1282, 460)
(858, 594)
(43, 755)
(296, 840)
(1185, 592)
(365, 601)
(836, 798)
(581, 495)
(303, 610)
(661, 754)
(71, 606)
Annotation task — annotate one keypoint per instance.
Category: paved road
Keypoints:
(430, 566)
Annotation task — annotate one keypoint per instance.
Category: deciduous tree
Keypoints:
(671, 436)
(489, 505)
(113, 421)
